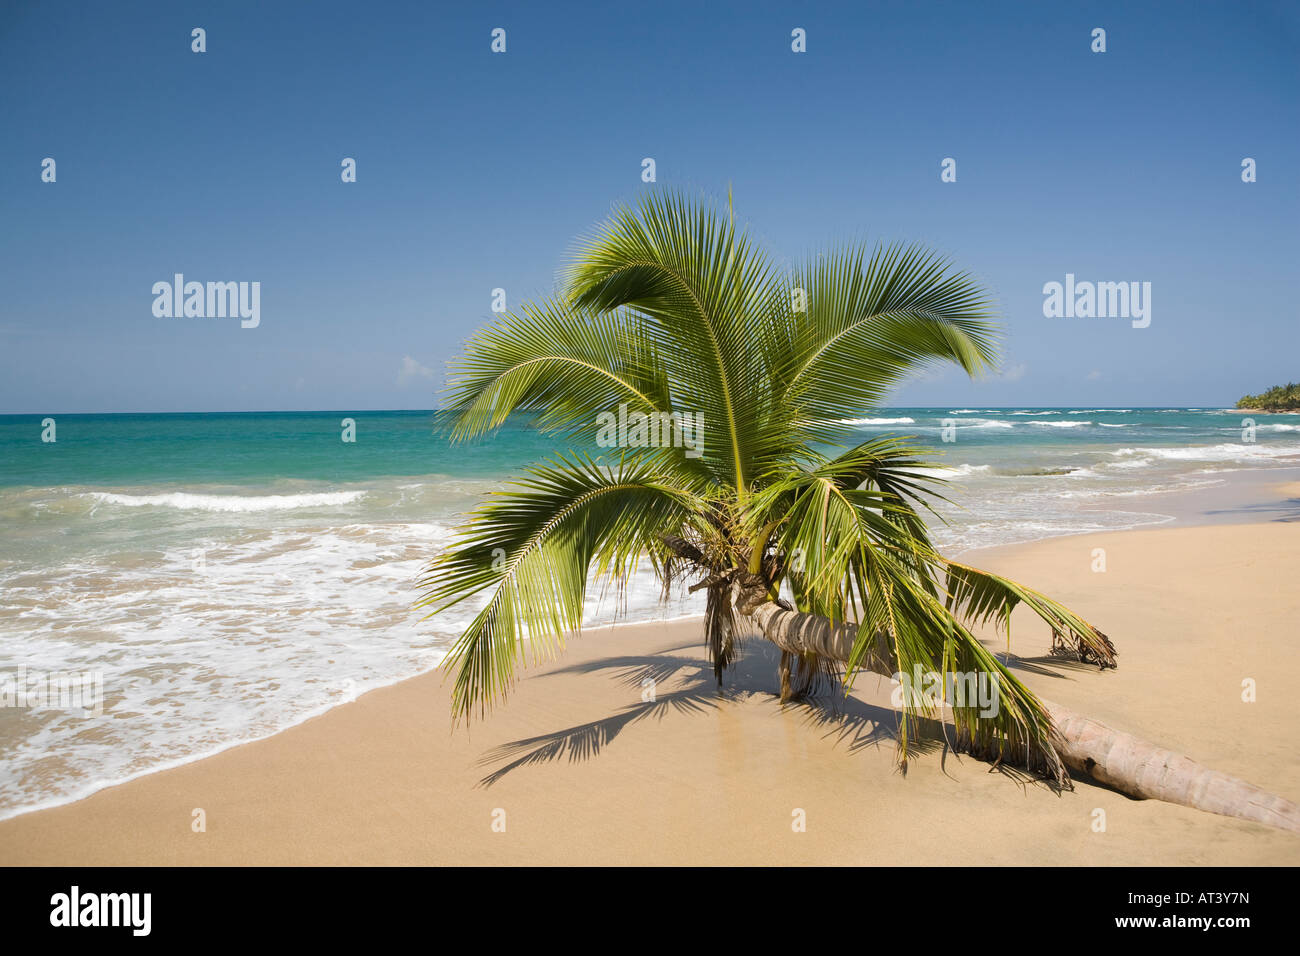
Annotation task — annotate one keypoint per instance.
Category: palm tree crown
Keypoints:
(669, 309)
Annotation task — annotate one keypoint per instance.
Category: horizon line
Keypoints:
(1205, 406)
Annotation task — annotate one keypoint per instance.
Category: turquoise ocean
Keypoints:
(230, 575)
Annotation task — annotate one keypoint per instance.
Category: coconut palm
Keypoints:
(1279, 398)
(793, 530)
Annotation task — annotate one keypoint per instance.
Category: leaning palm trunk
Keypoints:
(1120, 760)
(1142, 769)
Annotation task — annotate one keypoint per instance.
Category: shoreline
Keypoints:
(56, 802)
(422, 696)
(1261, 481)
(1260, 485)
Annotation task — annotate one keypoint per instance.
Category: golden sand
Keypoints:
(581, 770)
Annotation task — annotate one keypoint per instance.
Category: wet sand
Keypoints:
(577, 768)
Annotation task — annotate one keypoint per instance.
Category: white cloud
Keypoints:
(1013, 373)
(1092, 376)
(411, 370)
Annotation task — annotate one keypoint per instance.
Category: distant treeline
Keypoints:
(1278, 397)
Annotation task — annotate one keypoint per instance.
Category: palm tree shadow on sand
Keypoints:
(1287, 510)
(854, 724)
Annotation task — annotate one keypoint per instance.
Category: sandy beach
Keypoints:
(581, 769)
(620, 377)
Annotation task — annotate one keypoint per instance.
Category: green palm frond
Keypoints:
(536, 543)
(704, 290)
(863, 555)
(670, 308)
(821, 515)
(873, 319)
(981, 597)
(551, 356)
(926, 637)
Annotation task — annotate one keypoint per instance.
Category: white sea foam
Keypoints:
(299, 607)
(878, 421)
(1224, 452)
(1013, 529)
(1130, 464)
(1179, 484)
(185, 501)
(959, 471)
(229, 635)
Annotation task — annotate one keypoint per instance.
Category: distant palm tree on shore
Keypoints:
(1279, 398)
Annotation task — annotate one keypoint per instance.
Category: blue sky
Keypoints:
(477, 170)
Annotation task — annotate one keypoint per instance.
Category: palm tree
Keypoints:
(1279, 398)
(669, 310)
